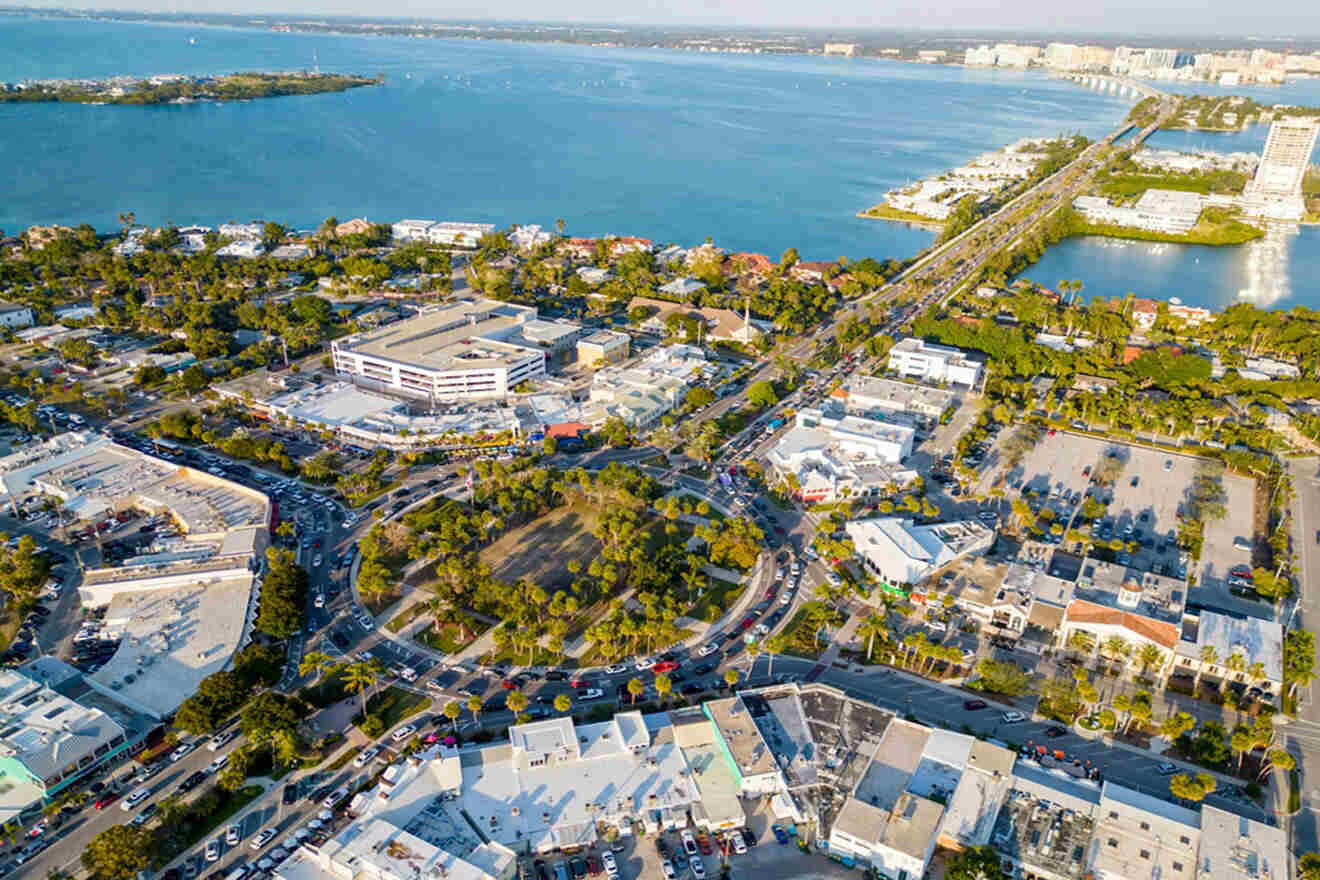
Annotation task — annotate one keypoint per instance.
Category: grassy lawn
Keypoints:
(802, 641)
(715, 601)
(394, 704)
(540, 549)
(406, 617)
(883, 211)
(539, 657)
(449, 638)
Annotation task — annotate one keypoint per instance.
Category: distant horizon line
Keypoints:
(925, 29)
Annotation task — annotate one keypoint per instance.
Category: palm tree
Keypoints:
(730, 676)
(635, 689)
(1242, 742)
(1209, 657)
(1150, 655)
(563, 703)
(776, 644)
(315, 662)
(753, 651)
(475, 706)
(872, 627)
(663, 686)
(360, 678)
(517, 703)
(1081, 641)
(451, 711)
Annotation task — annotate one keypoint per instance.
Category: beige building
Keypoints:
(603, 347)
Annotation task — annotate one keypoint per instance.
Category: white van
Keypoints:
(134, 799)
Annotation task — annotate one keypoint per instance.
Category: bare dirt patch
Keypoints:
(541, 549)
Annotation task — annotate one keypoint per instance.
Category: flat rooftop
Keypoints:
(461, 336)
(171, 640)
(741, 736)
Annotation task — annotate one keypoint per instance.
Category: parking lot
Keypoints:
(1152, 489)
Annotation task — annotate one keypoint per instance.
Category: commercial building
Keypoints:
(917, 359)
(902, 552)
(467, 350)
(828, 455)
(715, 325)
(1276, 189)
(1114, 601)
(181, 609)
(1158, 210)
(641, 392)
(603, 347)
(48, 742)
(877, 395)
(14, 316)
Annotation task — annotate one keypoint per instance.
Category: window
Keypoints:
(1113, 842)
(1113, 814)
(1145, 854)
(537, 762)
(1145, 826)
(1185, 840)
(1177, 867)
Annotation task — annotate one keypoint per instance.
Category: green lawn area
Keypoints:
(541, 549)
(715, 601)
(407, 616)
(539, 657)
(449, 638)
(882, 211)
(802, 641)
(394, 704)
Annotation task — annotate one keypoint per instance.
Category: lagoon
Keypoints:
(758, 152)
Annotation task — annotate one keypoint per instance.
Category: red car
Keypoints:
(703, 842)
(1241, 571)
(107, 799)
(509, 684)
(579, 683)
(747, 623)
(664, 666)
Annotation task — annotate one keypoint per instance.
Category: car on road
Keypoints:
(664, 666)
(748, 837)
(739, 845)
(643, 664)
(611, 864)
(698, 869)
(403, 732)
(973, 705)
(233, 834)
(366, 757)
(213, 850)
(290, 795)
(780, 834)
(1055, 731)
(196, 779)
(1011, 717)
(143, 816)
(220, 740)
(615, 669)
(590, 694)
(182, 751)
(689, 843)
(709, 648)
(334, 797)
(134, 799)
(668, 867)
(218, 764)
(107, 799)
(1167, 768)
(265, 836)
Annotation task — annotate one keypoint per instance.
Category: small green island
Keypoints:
(181, 89)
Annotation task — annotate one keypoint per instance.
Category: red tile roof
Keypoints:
(1157, 631)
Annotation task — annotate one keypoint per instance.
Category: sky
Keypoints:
(1272, 18)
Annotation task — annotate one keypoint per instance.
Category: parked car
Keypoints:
(689, 843)
(973, 705)
(1011, 717)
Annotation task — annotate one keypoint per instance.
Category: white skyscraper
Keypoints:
(1276, 190)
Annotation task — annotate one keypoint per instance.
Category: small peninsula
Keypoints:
(181, 89)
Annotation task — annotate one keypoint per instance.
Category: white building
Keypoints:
(448, 232)
(240, 230)
(525, 238)
(243, 249)
(1137, 835)
(48, 742)
(640, 393)
(902, 552)
(835, 456)
(14, 316)
(1158, 210)
(1276, 189)
(879, 395)
(467, 350)
(917, 359)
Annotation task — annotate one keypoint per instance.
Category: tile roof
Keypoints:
(1157, 631)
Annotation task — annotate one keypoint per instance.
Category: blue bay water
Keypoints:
(758, 152)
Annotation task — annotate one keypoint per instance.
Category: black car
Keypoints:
(579, 866)
(542, 873)
(196, 779)
(702, 668)
(290, 795)
(556, 675)
(748, 837)
(1055, 731)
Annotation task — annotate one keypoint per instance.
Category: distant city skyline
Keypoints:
(1271, 19)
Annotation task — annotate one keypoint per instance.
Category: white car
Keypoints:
(1013, 717)
(233, 835)
(316, 561)
(643, 664)
(698, 868)
(366, 757)
(213, 850)
(134, 799)
(786, 598)
(218, 764)
(265, 836)
(320, 600)
(182, 751)
(331, 799)
(220, 740)
(708, 649)
(366, 620)
(611, 865)
(738, 846)
(689, 843)
(615, 669)
(591, 694)
(404, 732)
(670, 873)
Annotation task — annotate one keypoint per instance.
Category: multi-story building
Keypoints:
(642, 392)
(467, 350)
(902, 552)
(14, 316)
(603, 347)
(828, 455)
(917, 359)
(1158, 210)
(449, 232)
(1276, 189)
(880, 396)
